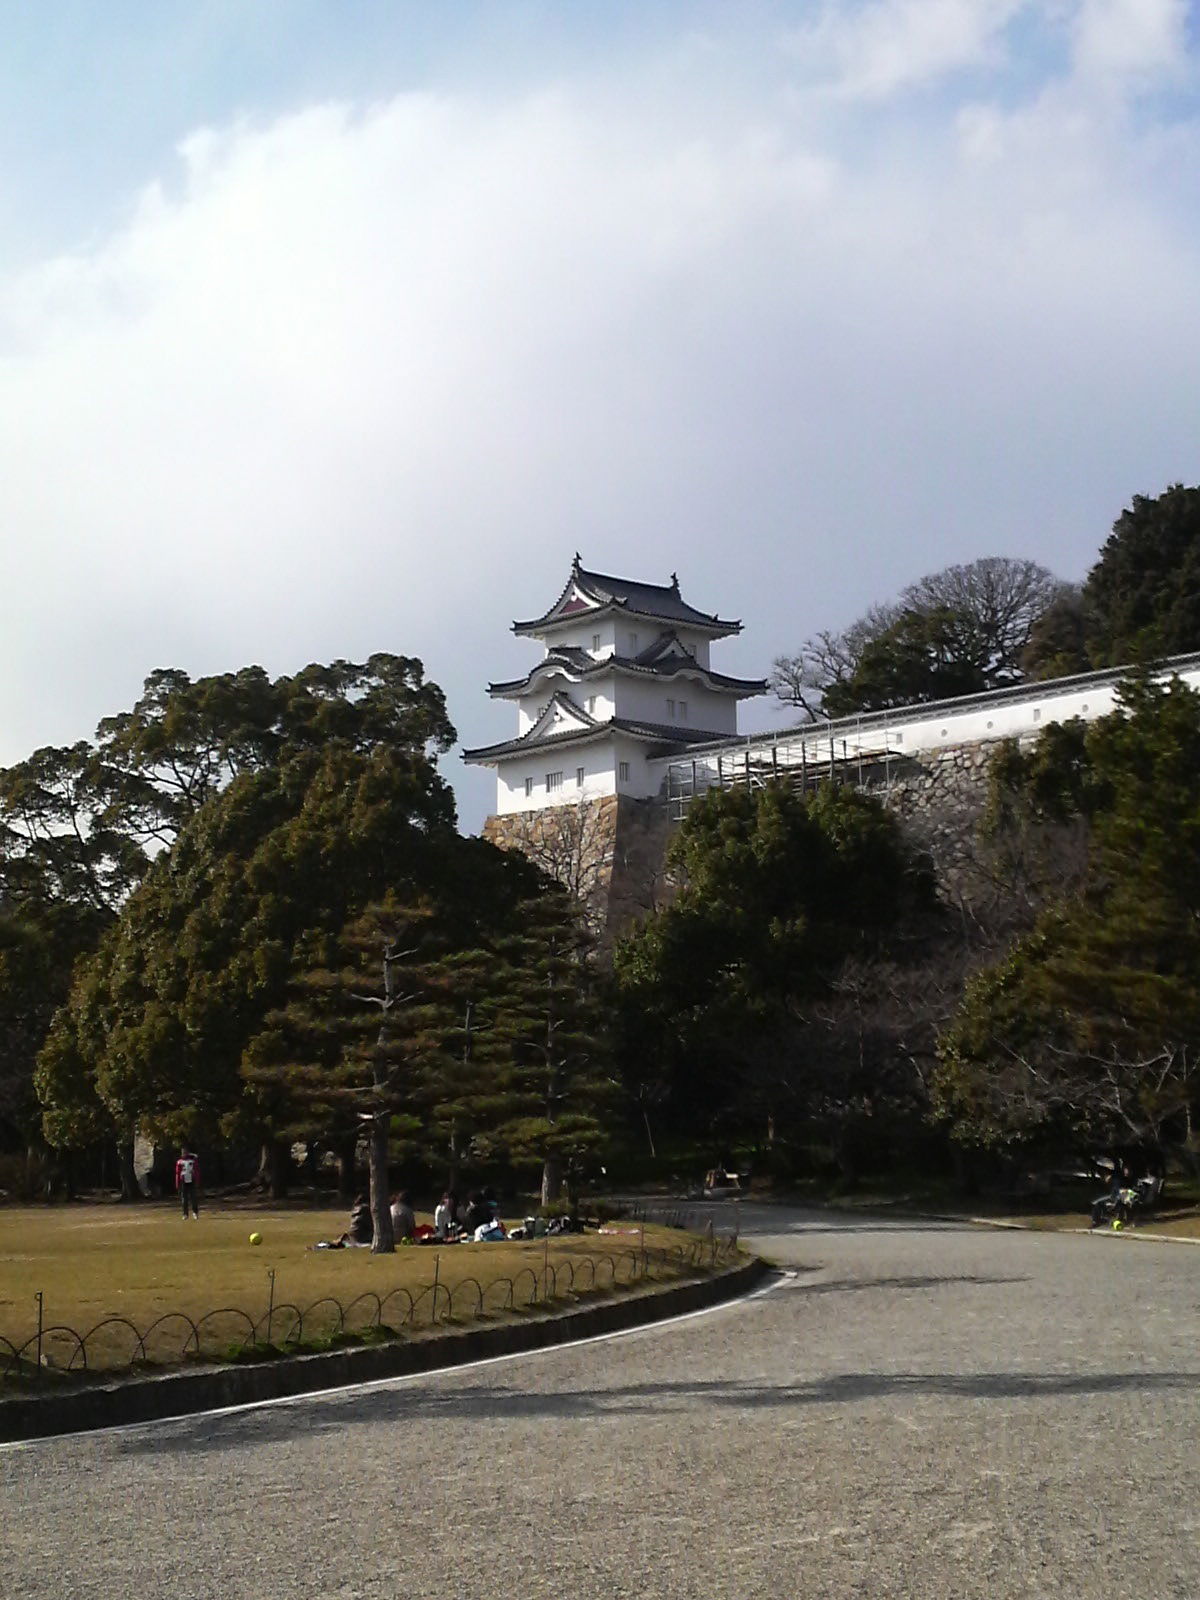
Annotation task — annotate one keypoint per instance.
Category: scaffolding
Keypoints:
(800, 759)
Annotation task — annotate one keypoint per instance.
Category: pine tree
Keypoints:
(550, 1084)
(365, 1042)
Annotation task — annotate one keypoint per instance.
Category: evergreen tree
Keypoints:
(778, 891)
(283, 858)
(1088, 1027)
(364, 1042)
(1141, 600)
(550, 1083)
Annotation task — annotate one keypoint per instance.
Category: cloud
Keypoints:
(1119, 38)
(878, 49)
(363, 376)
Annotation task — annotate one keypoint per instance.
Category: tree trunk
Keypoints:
(453, 1169)
(130, 1189)
(344, 1152)
(161, 1177)
(312, 1170)
(966, 1170)
(383, 1242)
(552, 1180)
(274, 1168)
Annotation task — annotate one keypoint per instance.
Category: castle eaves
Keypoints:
(588, 593)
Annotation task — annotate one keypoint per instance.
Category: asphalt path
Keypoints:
(921, 1409)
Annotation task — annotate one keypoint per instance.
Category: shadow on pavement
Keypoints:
(859, 1285)
(479, 1402)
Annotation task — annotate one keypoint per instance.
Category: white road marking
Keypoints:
(781, 1276)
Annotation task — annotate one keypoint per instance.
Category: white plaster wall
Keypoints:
(642, 781)
(530, 706)
(601, 764)
(579, 633)
(1008, 713)
(699, 645)
(599, 690)
(646, 699)
(599, 779)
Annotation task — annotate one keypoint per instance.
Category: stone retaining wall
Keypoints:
(940, 796)
(610, 851)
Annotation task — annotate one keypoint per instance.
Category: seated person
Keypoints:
(444, 1220)
(361, 1229)
(360, 1232)
(478, 1212)
(1118, 1198)
(404, 1223)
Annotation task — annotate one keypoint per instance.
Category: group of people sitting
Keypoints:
(1125, 1195)
(479, 1221)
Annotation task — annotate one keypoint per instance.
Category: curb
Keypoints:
(1130, 1232)
(180, 1394)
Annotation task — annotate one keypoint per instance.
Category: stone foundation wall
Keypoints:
(610, 852)
(940, 797)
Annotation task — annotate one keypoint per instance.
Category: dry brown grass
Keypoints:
(141, 1264)
(1167, 1224)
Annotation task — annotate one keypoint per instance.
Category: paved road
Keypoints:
(924, 1410)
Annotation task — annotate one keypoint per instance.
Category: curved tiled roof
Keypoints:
(668, 738)
(660, 600)
(581, 665)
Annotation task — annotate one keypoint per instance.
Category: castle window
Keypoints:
(671, 709)
(579, 777)
(591, 705)
(623, 771)
(595, 641)
(528, 787)
(553, 782)
(633, 644)
(683, 711)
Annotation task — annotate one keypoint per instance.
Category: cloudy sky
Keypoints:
(329, 328)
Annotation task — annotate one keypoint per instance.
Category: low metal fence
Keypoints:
(115, 1344)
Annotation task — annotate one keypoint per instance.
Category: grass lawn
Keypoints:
(1174, 1222)
(93, 1262)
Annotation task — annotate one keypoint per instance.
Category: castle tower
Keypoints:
(625, 678)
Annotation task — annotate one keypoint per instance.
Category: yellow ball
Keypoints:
(256, 1238)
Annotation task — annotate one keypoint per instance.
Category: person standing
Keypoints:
(187, 1182)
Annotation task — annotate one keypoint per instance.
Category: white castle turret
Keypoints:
(625, 678)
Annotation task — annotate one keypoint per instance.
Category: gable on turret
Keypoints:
(625, 675)
(586, 591)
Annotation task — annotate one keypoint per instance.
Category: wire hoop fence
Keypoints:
(55, 1351)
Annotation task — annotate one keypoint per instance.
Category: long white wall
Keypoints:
(1005, 713)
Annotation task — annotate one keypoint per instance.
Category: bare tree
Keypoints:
(1001, 596)
(991, 607)
(572, 843)
(827, 658)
